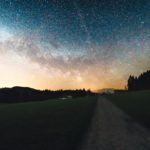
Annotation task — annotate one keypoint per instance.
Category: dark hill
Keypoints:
(25, 94)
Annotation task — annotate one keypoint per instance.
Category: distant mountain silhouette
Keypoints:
(110, 91)
(105, 91)
(25, 94)
(142, 82)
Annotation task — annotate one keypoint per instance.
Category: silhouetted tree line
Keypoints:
(142, 82)
(25, 94)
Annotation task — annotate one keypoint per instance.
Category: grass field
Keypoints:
(136, 104)
(46, 125)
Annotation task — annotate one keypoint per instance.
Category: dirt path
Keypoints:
(111, 129)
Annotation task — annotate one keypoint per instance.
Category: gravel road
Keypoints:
(112, 129)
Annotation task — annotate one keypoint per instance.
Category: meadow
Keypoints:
(136, 104)
(52, 124)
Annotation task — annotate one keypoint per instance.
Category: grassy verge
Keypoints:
(53, 124)
(136, 104)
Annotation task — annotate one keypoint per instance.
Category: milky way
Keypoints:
(64, 44)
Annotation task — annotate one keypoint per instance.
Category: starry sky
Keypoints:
(66, 44)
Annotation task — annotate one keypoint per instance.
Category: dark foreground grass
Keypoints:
(136, 104)
(46, 125)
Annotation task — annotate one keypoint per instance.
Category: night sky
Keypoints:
(65, 44)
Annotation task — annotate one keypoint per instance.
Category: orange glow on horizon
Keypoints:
(17, 71)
